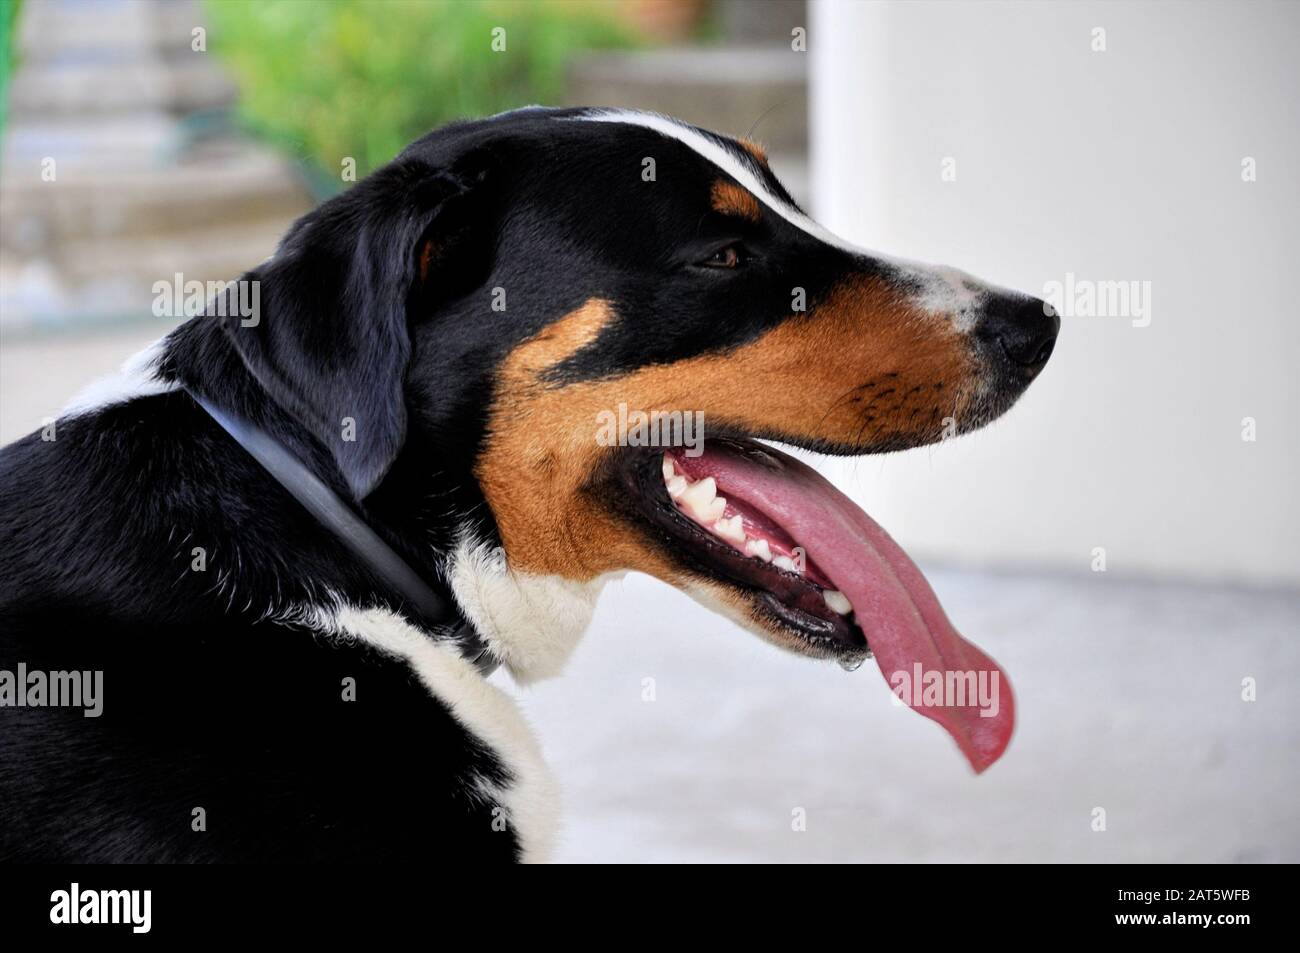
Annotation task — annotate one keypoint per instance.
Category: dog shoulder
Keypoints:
(524, 794)
(337, 734)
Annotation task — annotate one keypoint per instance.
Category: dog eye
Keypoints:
(729, 256)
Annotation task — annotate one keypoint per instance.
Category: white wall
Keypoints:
(1115, 165)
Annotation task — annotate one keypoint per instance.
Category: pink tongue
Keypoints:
(928, 665)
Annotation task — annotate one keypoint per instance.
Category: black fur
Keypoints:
(208, 702)
(377, 307)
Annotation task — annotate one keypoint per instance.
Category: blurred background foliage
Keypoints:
(8, 27)
(362, 78)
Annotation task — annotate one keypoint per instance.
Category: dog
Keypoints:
(290, 545)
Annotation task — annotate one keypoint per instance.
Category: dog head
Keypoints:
(577, 323)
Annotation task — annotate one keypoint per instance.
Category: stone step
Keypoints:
(246, 185)
(63, 30)
(85, 59)
(123, 140)
(92, 88)
(761, 21)
(203, 254)
(88, 280)
(755, 91)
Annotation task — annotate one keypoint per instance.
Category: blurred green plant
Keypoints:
(362, 78)
(8, 52)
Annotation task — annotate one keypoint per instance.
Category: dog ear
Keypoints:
(330, 341)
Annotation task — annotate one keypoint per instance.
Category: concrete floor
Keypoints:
(1129, 695)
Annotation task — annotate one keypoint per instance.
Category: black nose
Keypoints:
(1023, 328)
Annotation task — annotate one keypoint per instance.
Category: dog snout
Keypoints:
(1022, 330)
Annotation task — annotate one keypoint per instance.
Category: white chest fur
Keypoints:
(531, 623)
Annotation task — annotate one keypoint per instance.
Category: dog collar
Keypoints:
(337, 517)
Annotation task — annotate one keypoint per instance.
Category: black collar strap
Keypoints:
(337, 517)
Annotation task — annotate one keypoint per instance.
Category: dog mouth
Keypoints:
(816, 569)
(717, 533)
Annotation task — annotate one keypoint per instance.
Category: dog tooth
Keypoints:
(698, 495)
(837, 601)
(716, 509)
(783, 562)
(732, 529)
(759, 548)
(670, 471)
(677, 486)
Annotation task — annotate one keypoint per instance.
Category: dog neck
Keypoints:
(531, 622)
(411, 521)
(333, 514)
(434, 517)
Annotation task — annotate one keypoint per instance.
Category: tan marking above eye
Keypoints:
(731, 199)
(799, 379)
(754, 149)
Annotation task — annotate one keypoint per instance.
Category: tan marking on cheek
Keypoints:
(731, 199)
(555, 342)
(540, 450)
(859, 367)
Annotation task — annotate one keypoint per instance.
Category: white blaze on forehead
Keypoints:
(940, 290)
(729, 163)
